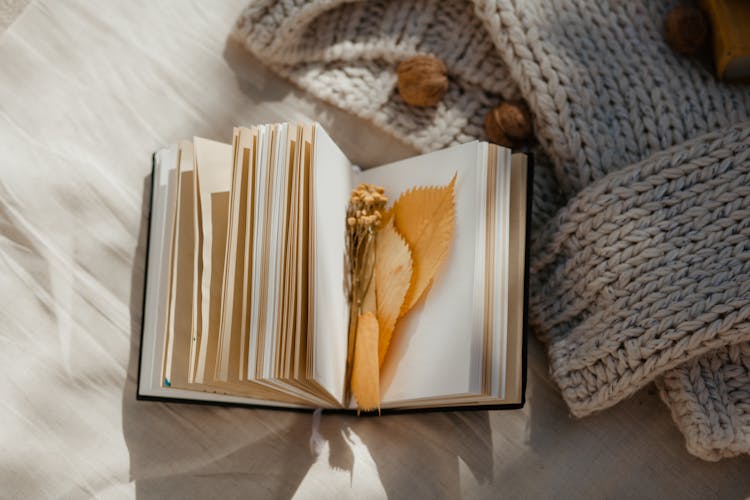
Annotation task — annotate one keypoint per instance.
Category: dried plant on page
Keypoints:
(363, 217)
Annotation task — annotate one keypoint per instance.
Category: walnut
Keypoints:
(509, 123)
(686, 29)
(422, 80)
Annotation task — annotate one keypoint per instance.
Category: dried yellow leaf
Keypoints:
(365, 383)
(393, 269)
(426, 218)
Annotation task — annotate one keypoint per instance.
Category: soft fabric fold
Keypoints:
(645, 269)
(710, 401)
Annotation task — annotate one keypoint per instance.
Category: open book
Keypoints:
(245, 300)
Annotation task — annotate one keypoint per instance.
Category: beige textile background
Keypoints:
(87, 91)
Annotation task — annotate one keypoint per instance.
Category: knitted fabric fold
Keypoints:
(346, 53)
(710, 401)
(641, 272)
(646, 269)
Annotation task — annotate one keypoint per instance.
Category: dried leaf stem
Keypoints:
(363, 217)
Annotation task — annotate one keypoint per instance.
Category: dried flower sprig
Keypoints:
(363, 217)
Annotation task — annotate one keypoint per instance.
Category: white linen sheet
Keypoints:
(88, 90)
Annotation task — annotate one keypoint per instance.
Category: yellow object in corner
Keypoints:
(730, 20)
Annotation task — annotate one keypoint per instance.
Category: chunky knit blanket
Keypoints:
(641, 256)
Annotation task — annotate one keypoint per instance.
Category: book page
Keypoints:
(165, 179)
(183, 252)
(277, 196)
(331, 187)
(213, 171)
(156, 304)
(259, 255)
(437, 347)
(230, 265)
(234, 305)
(517, 265)
(289, 312)
(196, 316)
(504, 239)
(255, 250)
(246, 346)
(157, 301)
(286, 348)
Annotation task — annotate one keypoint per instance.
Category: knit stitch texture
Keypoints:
(644, 272)
(710, 401)
(647, 268)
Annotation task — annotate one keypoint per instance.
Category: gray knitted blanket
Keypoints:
(641, 260)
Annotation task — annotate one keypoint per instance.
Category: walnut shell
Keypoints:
(495, 132)
(686, 29)
(422, 80)
(509, 123)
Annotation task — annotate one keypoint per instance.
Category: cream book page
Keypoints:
(331, 187)
(232, 266)
(259, 248)
(436, 351)
(165, 179)
(235, 307)
(249, 138)
(213, 171)
(150, 384)
(276, 190)
(181, 296)
(517, 266)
